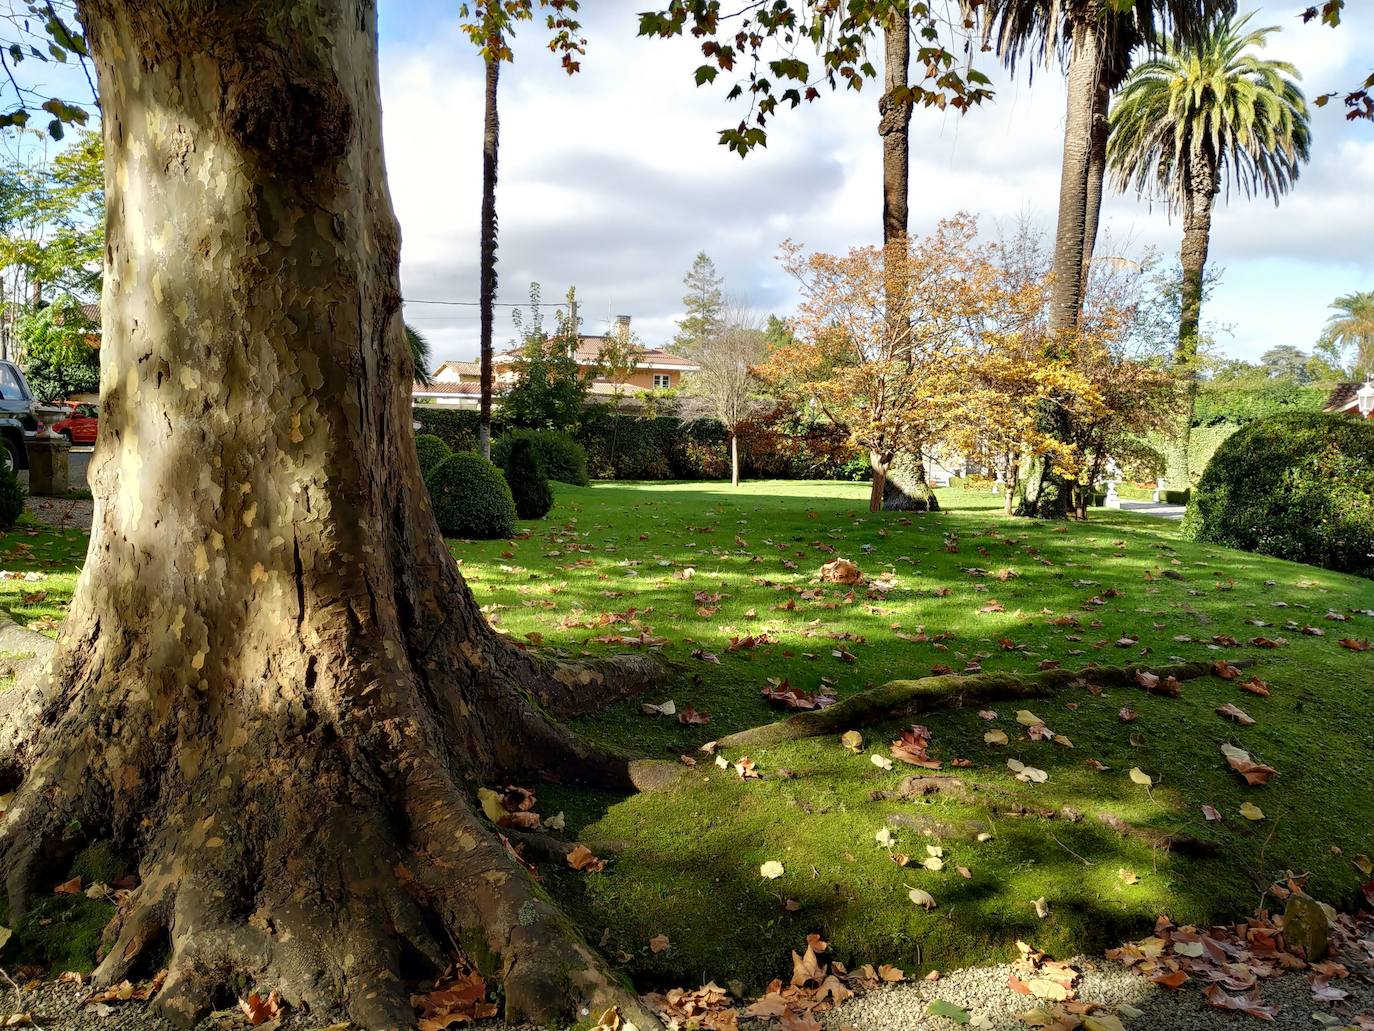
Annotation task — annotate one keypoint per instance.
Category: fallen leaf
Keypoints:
(658, 943)
(922, 898)
(1251, 811)
(852, 740)
(1140, 777)
(1231, 712)
(771, 870)
(581, 858)
(995, 737)
(951, 1012)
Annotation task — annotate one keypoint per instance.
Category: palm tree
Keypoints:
(1096, 39)
(1352, 325)
(487, 299)
(1207, 113)
(419, 350)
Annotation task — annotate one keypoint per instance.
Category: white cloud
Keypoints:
(612, 180)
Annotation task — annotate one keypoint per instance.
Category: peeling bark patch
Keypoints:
(301, 127)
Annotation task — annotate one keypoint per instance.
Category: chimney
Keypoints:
(622, 325)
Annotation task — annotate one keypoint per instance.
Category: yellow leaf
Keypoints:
(771, 870)
(995, 737)
(852, 740)
(1027, 718)
(921, 898)
(1251, 811)
(1140, 776)
(491, 804)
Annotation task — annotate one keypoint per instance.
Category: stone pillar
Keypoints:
(48, 465)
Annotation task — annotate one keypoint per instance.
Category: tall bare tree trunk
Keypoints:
(1197, 233)
(490, 139)
(734, 459)
(1097, 170)
(1046, 489)
(273, 685)
(894, 127)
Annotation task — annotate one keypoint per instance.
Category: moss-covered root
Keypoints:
(900, 698)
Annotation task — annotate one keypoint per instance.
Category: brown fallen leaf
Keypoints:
(1255, 686)
(1253, 772)
(1231, 712)
(658, 943)
(582, 859)
(1355, 644)
(1251, 1005)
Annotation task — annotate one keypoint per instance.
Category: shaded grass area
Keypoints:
(686, 862)
(56, 556)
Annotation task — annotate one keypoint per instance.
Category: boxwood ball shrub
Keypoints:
(11, 499)
(1299, 487)
(528, 484)
(470, 498)
(432, 450)
(565, 460)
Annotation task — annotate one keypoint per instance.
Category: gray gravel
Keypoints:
(983, 990)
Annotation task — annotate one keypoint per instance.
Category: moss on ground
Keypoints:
(685, 862)
(62, 932)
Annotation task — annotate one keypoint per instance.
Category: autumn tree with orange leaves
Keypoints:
(875, 339)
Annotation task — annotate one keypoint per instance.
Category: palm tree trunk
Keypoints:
(1097, 168)
(1197, 232)
(1047, 491)
(490, 134)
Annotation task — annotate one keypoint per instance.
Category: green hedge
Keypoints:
(470, 498)
(1238, 406)
(431, 451)
(564, 459)
(529, 484)
(629, 447)
(1299, 487)
(12, 496)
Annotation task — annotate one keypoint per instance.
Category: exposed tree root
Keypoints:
(1009, 805)
(902, 698)
(575, 689)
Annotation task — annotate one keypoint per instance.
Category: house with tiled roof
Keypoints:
(1346, 398)
(459, 383)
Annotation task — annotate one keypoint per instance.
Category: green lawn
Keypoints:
(686, 862)
(611, 561)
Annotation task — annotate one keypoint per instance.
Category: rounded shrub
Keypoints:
(565, 460)
(432, 451)
(1299, 487)
(528, 483)
(11, 498)
(470, 498)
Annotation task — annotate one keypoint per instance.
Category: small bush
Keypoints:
(11, 499)
(470, 498)
(432, 451)
(1299, 487)
(1175, 497)
(565, 460)
(529, 485)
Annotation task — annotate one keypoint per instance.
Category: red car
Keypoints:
(80, 425)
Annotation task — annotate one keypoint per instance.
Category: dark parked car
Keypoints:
(16, 416)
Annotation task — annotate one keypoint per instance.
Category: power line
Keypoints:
(496, 304)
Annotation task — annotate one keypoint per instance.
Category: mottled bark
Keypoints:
(1046, 491)
(273, 685)
(906, 488)
(1201, 176)
(877, 489)
(490, 139)
(734, 459)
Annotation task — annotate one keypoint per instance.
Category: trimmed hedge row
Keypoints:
(1299, 487)
(628, 447)
(563, 458)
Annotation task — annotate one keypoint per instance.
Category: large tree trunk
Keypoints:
(734, 459)
(1097, 171)
(1197, 233)
(877, 464)
(490, 139)
(894, 127)
(1046, 490)
(273, 684)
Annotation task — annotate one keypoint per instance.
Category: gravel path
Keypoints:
(65, 512)
(983, 992)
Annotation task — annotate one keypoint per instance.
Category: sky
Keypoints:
(611, 180)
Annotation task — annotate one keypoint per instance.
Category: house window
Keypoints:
(662, 380)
